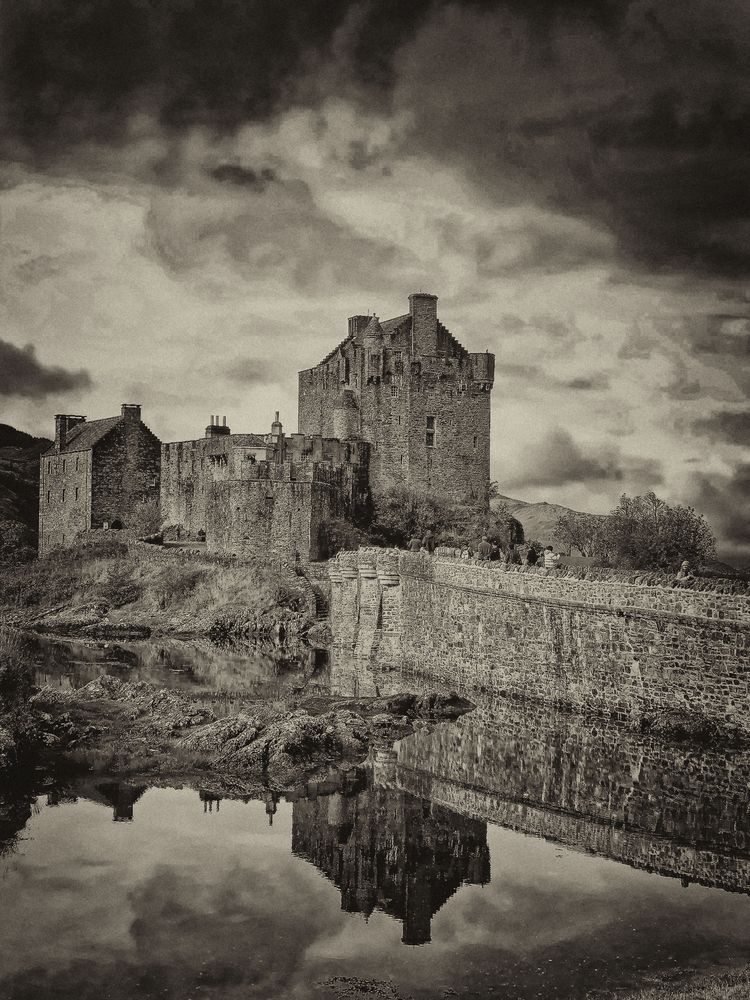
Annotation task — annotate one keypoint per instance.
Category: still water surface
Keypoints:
(517, 853)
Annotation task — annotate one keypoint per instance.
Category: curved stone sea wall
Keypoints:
(616, 644)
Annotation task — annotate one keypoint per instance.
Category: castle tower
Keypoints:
(410, 389)
(346, 416)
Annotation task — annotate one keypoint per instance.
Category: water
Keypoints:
(517, 853)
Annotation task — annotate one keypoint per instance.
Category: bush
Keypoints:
(339, 535)
(402, 514)
(15, 674)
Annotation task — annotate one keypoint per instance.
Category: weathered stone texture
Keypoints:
(125, 478)
(64, 498)
(603, 646)
(411, 390)
(279, 510)
(105, 472)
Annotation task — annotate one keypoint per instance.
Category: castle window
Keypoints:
(76, 492)
(430, 434)
(63, 465)
(63, 496)
(48, 498)
(49, 467)
(394, 390)
(475, 442)
(78, 461)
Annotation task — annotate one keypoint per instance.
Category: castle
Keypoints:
(399, 403)
(407, 387)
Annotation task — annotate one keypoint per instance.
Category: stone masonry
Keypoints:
(409, 388)
(605, 645)
(98, 473)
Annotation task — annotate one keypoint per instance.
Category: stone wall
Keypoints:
(603, 645)
(190, 468)
(116, 480)
(126, 470)
(64, 498)
(279, 510)
(678, 811)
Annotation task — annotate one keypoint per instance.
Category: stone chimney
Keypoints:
(357, 324)
(217, 427)
(131, 412)
(64, 423)
(423, 309)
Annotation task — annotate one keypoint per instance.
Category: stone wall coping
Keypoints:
(617, 591)
(592, 574)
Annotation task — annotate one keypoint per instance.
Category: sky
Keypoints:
(195, 196)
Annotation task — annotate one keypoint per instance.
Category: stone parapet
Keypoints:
(593, 640)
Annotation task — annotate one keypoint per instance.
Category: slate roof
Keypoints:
(390, 326)
(84, 436)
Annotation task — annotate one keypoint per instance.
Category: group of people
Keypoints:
(487, 551)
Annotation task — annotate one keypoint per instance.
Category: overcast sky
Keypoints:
(196, 195)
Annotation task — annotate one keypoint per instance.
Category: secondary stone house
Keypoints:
(98, 473)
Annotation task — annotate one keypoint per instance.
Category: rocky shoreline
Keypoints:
(139, 729)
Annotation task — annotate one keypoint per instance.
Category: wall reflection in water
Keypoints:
(679, 810)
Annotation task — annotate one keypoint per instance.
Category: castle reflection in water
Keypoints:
(404, 832)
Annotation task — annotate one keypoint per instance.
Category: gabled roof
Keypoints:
(84, 436)
(390, 326)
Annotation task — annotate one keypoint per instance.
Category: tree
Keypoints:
(401, 514)
(585, 532)
(645, 532)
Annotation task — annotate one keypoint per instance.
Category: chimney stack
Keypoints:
(64, 423)
(423, 309)
(131, 412)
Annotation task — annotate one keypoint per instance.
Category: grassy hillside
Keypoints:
(538, 519)
(19, 492)
(109, 587)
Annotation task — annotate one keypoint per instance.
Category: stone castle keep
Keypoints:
(397, 403)
(407, 387)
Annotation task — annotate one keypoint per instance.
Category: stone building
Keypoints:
(278, 508)
(98, 473)
(409, 388)
(190, 468)
(264, 495)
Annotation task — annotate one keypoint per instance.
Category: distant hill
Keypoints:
(19, 491)
(538, 519)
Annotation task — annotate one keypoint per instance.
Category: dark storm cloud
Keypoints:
(633, 115)
(21, 374)
(587, 383)
(727, 426)
(683, 388)
(642, 123)
(724, 501)
(251, 371)
(558, 460)
(234, 173)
